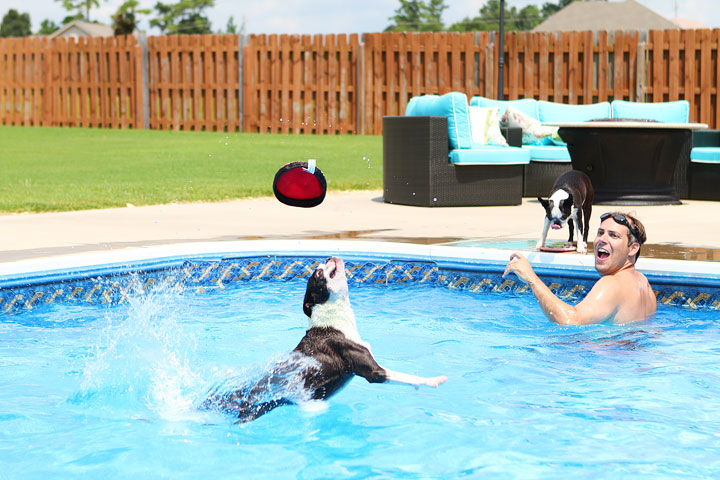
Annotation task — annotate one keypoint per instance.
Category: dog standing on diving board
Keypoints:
(570, 203)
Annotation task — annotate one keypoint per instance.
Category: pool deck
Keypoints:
(343, 215)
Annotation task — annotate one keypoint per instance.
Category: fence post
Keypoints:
(360, 85)
(241, 80)
(641, 69)
(144, 92)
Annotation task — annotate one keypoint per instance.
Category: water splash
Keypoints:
(143, 360)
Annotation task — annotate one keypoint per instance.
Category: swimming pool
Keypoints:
(103, 380)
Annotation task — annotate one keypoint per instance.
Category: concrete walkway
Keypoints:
(360, 215)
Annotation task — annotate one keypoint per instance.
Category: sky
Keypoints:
(331, 16)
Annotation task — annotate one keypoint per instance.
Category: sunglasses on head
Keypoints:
(622, 220)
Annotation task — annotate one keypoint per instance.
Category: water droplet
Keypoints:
(226, 144)
(210, 155)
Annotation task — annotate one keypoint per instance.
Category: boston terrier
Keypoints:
(325, 360)
(570, 200)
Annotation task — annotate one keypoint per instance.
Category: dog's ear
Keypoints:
(543, 201)
(569, 199)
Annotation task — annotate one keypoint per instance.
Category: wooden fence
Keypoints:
(91, 82)
(193, 82)
(301, 84)
(336, 84)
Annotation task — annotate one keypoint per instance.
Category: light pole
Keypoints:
(501, 52)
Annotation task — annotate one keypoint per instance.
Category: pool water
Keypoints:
(112, 392)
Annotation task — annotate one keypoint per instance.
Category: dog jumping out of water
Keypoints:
(570, 203)
(325, 360)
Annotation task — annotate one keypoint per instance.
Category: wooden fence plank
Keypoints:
(706, 77)
(603, 67)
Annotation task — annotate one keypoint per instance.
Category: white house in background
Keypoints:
(80, 28)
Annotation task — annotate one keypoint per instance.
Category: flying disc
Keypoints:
(300, 184)
(559, 248)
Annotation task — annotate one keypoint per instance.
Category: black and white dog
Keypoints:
(570, 203)
(325, 360)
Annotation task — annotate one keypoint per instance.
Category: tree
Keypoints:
(549, 9)
(47, 27)
(15, 24)
(81, 7)
(124, 20)
(418, 16)
(71, 18)
(489, 18)
(185, 16)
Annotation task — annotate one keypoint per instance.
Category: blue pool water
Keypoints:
(90, 391)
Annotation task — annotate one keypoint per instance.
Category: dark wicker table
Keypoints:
(632, 162)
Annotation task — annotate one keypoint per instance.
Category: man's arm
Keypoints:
(600, 303)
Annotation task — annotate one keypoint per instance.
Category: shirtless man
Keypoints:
(621, 295)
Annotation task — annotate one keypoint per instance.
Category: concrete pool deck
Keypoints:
(343, 215)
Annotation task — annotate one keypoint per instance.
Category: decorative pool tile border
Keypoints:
(200, 276)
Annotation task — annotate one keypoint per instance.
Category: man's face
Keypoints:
(611, 247)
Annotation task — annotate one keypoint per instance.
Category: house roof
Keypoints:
(610, 16)
(80, 28)
(689, 23)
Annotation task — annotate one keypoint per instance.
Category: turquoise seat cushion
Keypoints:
(705, 155)
(561, 112)
(548, 153)
(667, 112)
(454, 106)
(527, 106)
(490, 155)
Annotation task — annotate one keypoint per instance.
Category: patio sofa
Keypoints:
(704, 172)
(430, 157)
(549, 160)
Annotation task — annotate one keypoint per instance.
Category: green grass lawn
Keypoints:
(60, 169)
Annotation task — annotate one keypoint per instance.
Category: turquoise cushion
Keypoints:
(454, 106)
(668, 112)
(490, 155)
(705, 154)
(548, 153)
(527, 106)
(411, 105)
(561, 112)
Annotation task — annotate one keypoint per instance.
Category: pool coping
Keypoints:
(166, 256)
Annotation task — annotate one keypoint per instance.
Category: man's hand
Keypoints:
(520, 266)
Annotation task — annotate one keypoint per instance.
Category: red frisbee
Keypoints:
(300, 184)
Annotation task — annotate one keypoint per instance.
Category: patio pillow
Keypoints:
(485, 126)
(454, 106)
(534, 132)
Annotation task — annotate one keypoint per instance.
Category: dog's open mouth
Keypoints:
(333, 265)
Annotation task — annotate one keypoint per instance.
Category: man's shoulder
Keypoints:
(621, 283)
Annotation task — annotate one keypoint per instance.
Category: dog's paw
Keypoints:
(539, 245)
(582, 248)
(435, 381)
